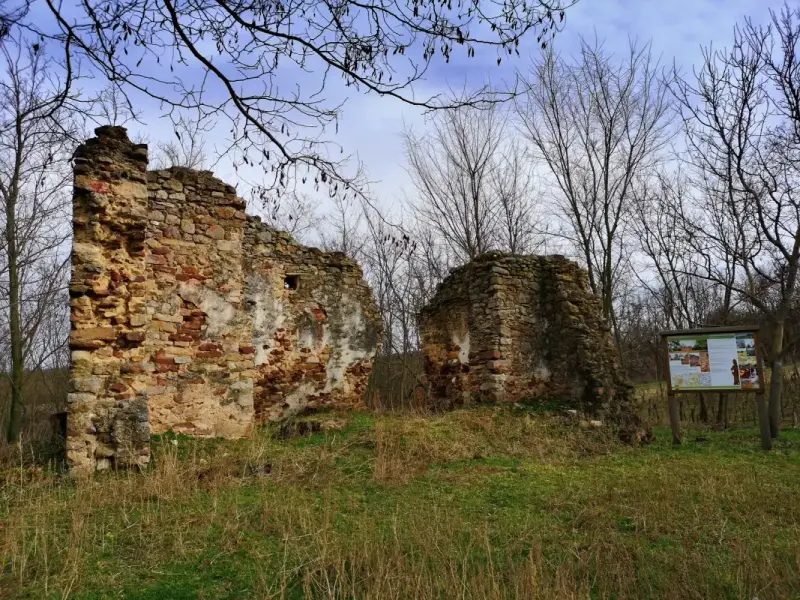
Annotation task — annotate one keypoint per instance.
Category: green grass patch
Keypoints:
(484, 503)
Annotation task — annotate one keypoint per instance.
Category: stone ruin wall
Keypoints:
(314, 344)
(181, 317)
(107, 404)
(198, 351)
(506, 328)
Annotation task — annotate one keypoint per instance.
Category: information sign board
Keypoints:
(724, 361)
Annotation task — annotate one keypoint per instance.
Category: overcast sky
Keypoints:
(371, 127)
(677, 28)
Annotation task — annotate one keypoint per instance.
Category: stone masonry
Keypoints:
(188, 315)
(505, 328)
(316, 327)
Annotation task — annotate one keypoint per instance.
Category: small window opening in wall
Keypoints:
(291, 282)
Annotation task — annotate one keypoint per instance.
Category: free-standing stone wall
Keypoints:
(188, 315)
(108, 412)
(505, 328)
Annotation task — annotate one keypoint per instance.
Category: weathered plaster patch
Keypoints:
(462, 341)
(220, 311)
(267, 313)
(314, 341)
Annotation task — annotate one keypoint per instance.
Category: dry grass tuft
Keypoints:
(407, 446)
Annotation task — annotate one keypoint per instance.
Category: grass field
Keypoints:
(477, 503)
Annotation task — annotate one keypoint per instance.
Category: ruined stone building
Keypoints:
(506, 328)
(188, 315)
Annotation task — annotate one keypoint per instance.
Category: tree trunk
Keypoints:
(776, 380)
(615, 330)
(15, 332)
(607, 294)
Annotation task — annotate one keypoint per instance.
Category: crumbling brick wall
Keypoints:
(107, 405)
(505, 328)
(199, 335)
(315, 324)
(180, 315)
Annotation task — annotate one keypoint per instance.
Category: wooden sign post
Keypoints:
(674, 418)
(722, 359)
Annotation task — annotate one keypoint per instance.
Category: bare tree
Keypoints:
(188, 150)
(670, 275)
(387, 264)
(37, 131)
(403, 268)
(519, 220)
(340, 229)
(473, 187)
(599, 126)
(110, 107)
(292, 212)
(742, 116)
(451, 167)
(10, 14)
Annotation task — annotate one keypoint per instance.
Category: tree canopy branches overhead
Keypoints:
(272, 59)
